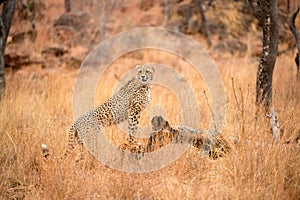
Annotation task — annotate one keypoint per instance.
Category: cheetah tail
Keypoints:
(72, 141)
(71, 144)
(45, 151)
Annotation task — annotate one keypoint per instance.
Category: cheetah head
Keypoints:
(145, 73)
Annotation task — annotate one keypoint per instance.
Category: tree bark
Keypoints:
(266, 12)
(5, 23)
(2, 64)
(296, 35)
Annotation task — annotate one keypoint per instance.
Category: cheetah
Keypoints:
(126, 104)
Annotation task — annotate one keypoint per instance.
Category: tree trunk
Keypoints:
(296, 35)
(5, 23)
(266, 12)
(2, 65)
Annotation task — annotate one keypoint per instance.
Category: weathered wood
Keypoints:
(296, 36)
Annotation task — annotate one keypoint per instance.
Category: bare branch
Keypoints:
(234, 94)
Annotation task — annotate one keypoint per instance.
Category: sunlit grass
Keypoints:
(38, 109)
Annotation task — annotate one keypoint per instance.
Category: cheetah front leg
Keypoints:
(133, 121)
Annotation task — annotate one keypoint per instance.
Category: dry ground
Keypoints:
(38, 109)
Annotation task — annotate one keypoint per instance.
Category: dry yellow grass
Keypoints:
(38, 109)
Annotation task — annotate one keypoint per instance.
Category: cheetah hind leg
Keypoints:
(133, 146)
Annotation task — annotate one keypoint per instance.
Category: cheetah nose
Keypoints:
(144, 78)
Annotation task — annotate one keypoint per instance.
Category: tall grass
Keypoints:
(38, 109)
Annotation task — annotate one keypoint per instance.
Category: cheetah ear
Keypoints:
(137, 67)
(152, 68)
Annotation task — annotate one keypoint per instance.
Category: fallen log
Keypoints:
(163, 134)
